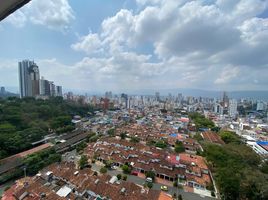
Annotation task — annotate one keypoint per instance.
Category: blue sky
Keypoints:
(124, 45)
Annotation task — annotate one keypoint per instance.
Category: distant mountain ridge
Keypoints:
(8, 94)
(253, 94)
(260, 95)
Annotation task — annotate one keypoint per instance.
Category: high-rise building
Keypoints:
(157, 96)
(261, 106)
(108, 94)
(225, 100)
(44, 87)
(59, 91)
(28, 78)
(35, 77)
(232, 111)
(25, 79)
(3, 90)
(218, 108)
(124, 98)
(52, 88)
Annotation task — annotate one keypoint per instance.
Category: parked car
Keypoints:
(149, 180)
(134, 173)
(164, 188)
(114, 167)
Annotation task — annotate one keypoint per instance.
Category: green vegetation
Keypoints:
(161, 144)
(83, 162)
(108, 163)
(111, 132)
(150, 143)
(201, 121)
(150, 185)
(37, 161)
(119, 176)
(237, 170)
(216, 129)
(124, 177)
(150, 174)
(126, 169)
(135, 139)
(123, 135)
(175, 183)
(198, 137)
(81, 146)
(94, 138)
(229, 137)
(24, 121)
(11, 175)
(103, 170)
(179, 148)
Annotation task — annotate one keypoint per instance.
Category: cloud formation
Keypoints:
(215, 44)
(194, 44)
(53, 14)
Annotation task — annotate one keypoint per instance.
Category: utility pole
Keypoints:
(24, 172)
(177, 188)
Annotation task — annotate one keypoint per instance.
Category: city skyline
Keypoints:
(134, 99)
(135, 45)
(30, 83)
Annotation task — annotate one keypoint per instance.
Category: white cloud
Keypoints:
(194, 44)
(90, 43)
(218, 45)
(254, 30)
(53, 14)
(227, 74)
(17, 19)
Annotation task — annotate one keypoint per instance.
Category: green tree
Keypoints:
(108, 163)
(134, 139)
(124, 177)
(237, 171)
(123, 135)
(83, 162)
(7, 128)
(149, 185)
(201, 121)
(229, 137)
(179, 147)
(103, 170)
(119, 176)
(111, 132)
(81, 146)
(94, 138)
(126, 169)
(161, 144)
(150, 174)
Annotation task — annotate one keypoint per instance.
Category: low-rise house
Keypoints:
(63, 181)
(144, 158)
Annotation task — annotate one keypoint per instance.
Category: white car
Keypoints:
(149, 179)
(114, 167)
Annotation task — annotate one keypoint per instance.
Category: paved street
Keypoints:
(156, 186)
(72, 156)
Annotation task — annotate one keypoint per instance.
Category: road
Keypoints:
(156, 186)
(73, 157)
